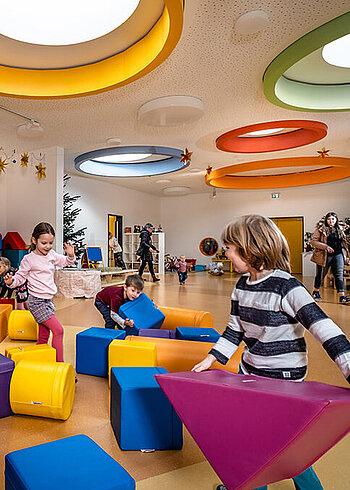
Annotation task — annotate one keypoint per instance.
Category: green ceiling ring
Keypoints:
(307, 97)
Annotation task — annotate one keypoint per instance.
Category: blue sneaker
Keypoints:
(344, 300)
(316, 295)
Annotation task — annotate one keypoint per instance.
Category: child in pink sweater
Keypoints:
(181, 266)
(37, 268)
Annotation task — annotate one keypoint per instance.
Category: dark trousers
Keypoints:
(150, 267)
(336, 263)
(182, 276)
(105, 312)
(118, 260)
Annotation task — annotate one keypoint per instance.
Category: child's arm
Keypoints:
(65, 260)
(121, 322)
(299, 304)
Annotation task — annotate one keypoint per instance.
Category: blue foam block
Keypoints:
(143, 312)
(197, 333)
(14, 256)
(158, 333)
(141, 415)
(69, 463)
(92, 350)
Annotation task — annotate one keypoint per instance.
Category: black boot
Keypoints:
(155, 279)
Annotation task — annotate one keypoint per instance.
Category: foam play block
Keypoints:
(281, 428)
(199, 334)
(181, 355)
(13, 240)
(22, 326)
(143, 312)
(182, 317)
(44, 389)
(131, 354)
(5, 310)
(15, 256)
(141, 415)
(158, 332)
(92, 350)
(39, 353)
(6, 369)
(8, 301)
(72, 463)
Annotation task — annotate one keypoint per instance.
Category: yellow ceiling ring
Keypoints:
(120, 69)
(334, 168)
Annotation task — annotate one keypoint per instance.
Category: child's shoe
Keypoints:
(316, 295)
(344, 300)
(221, 487)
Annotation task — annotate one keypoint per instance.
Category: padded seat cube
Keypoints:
(43, 389)
(197, 333)
(92, 350)
(6, 369)
(39, 353)
(130, 354)
(71, 463)
(141, 415)
(158, 332)
(143, 312)
(22, 326)
(5, 311)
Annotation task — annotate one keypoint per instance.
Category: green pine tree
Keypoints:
(69, 216)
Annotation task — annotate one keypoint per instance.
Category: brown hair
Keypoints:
(41, 229)
(6, 262)
(259, 241)
(136, 281)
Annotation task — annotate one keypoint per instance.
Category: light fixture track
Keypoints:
(19, 114)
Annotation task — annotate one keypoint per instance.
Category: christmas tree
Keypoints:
(70, 214)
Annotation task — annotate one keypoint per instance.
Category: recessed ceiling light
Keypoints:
(172, 110)
(163, 181)
(177, 190)
(113, 141)
(263, 132)
(337, 52)
(251, 22)
(31, 130)
(126, 157)
(41, 22)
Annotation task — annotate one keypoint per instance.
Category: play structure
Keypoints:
(14, 248)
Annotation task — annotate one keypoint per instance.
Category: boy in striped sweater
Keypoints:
(269, 311)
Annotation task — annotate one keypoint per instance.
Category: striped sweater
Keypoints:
(269, 315)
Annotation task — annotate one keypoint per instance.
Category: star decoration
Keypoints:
(24, 160)
(186, 156)
(209, 169)
(323, 153)
(2, 165)
(40, 171)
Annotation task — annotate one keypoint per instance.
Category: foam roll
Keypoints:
(43, 389)
(22, 326)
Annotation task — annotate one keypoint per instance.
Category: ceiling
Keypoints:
(210, 62)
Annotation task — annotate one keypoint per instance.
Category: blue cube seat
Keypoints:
(92, 350)
(199, 334)
(71, 463)
(141, 415)
(143, 312)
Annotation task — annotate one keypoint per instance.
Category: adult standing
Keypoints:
(117, 251)
(145, 250)
(330, 251)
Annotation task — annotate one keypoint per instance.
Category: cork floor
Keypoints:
(188, 468)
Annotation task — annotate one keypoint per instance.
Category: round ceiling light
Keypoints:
(329, 169)
(251, 22)
(337, 52)
(180, 190)
(131, 161)
(271, 136)
(30, 130)
(172, 110)
(36, 23)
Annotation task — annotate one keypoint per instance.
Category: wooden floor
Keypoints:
(188, 468)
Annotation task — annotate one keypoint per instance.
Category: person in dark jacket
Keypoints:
(145, 250)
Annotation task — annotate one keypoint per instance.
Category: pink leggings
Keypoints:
(53, 325)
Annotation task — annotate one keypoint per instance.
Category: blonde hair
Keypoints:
(259, 241)
(6, 262)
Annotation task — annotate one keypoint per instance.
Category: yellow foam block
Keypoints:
(182, 317)
(181, 355)
(22, 326)
(131, 354)
(5, 311)
(39, 353)
(43, 389)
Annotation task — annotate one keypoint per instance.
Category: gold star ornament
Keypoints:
(323, 153)
(40, 171)
(209, 169)
(24, 160)
(186, 156)
(2, 165)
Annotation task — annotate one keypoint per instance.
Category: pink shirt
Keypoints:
(39, 271)
(182, 266)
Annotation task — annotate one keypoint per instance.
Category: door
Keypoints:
(115, 226)
(293, 229)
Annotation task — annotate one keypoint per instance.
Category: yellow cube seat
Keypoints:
(39, 353)
(22, 326)
(130, 354)
(43, 389)
(5, 311)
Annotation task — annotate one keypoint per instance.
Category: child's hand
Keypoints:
(8, 279)
(69, 249)
(205, 364)
(128, 322)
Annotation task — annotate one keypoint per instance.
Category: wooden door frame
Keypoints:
(118, 231)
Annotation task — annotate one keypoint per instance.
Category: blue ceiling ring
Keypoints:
(136, 169)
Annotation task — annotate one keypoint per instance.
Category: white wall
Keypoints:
(98, 199)
(188, 219)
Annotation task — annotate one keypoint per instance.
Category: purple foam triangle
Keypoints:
(254, 430)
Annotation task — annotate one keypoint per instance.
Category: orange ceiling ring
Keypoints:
(332, 168)
(301, 133)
